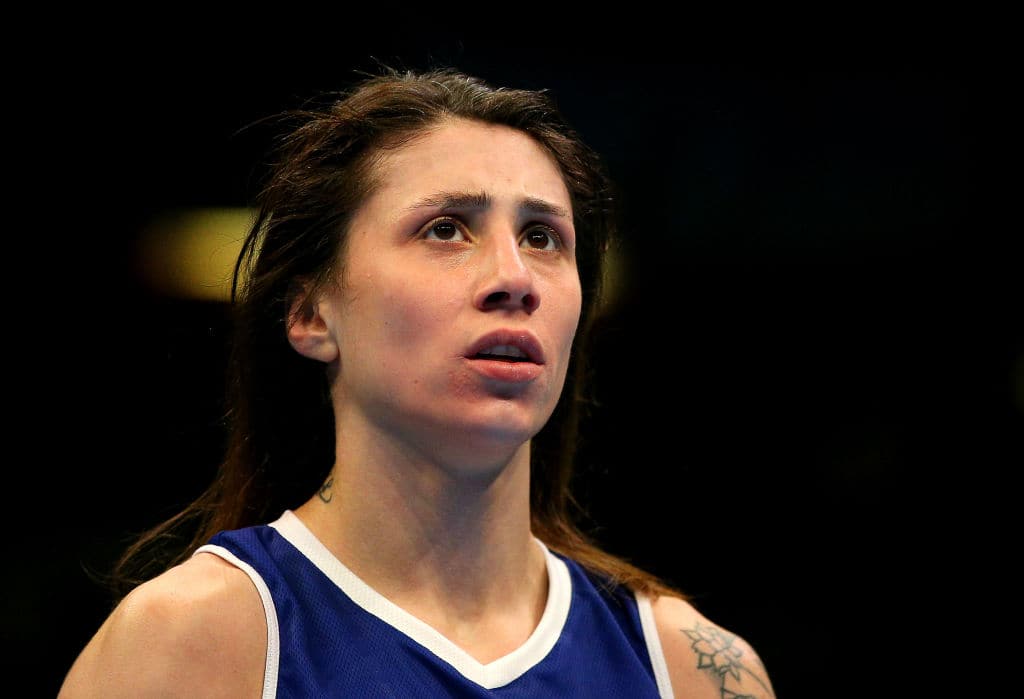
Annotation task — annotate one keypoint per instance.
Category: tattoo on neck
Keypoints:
(325, 490)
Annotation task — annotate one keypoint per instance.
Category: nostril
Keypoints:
(505, 299)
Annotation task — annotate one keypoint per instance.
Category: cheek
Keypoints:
(407, 315)
(461, 384)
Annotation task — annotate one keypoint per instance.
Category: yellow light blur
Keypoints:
(191, 253)
(615, 280)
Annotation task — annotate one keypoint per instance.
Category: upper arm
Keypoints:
(705, 660)
(198, 630)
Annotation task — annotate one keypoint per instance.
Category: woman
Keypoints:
(415, 296)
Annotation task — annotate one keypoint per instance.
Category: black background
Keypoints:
(808, 384)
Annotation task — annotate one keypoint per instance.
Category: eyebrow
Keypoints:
(483, 200)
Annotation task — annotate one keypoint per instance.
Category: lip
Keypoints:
(522, 339)
(521, 372)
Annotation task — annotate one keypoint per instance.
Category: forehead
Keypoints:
(465, 155)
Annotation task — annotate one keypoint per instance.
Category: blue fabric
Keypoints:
(331, 647)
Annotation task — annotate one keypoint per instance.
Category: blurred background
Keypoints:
(812, 370)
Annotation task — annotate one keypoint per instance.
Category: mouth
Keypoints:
(503, 353)
(512, 347)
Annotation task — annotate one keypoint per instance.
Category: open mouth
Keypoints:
(502, 353)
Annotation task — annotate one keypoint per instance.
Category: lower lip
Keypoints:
(510, 372)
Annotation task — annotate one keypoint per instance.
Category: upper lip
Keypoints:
(522, 339)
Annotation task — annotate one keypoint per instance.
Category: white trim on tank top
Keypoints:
(490, 675)
(269, 610)
(654, 650)
(493, 674)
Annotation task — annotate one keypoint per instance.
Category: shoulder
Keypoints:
(704, 659)
(198, 630)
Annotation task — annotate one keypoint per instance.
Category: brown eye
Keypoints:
(541, 238)
(443, 230)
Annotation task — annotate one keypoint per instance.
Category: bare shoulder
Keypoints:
(705, 660)
(198, 630)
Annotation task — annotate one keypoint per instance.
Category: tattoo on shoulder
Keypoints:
(730, 661)
(325, 490)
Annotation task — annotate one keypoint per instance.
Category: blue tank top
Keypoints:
(331, 635)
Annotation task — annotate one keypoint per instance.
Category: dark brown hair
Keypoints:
(281, 438)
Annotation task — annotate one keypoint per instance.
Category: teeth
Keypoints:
(505, 351)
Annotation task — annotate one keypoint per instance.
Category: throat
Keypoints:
(487, 630)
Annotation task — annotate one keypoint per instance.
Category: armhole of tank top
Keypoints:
(273, 633)
(657, 655)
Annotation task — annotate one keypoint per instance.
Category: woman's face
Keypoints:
(460, 295)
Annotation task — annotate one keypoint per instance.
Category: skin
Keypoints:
(440, 437)
(706, 661)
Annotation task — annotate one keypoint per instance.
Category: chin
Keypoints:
(473, 445)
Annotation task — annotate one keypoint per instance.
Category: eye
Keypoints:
(444, 229)
(542, 238)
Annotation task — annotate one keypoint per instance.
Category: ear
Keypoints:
(308, 331)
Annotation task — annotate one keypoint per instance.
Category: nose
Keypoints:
(506, 280)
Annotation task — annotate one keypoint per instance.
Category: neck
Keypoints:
(452, 546)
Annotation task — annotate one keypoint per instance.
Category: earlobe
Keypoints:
(308, 331)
